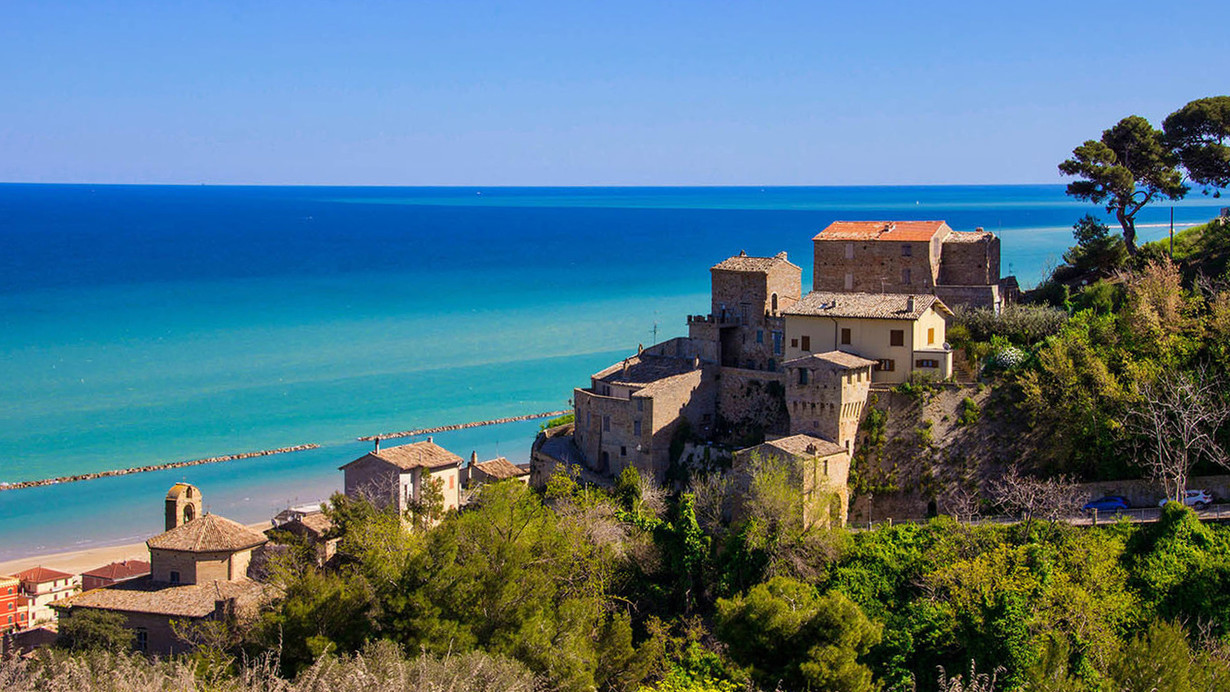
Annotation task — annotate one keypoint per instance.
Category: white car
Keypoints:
(1193, 498)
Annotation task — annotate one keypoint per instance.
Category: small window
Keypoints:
(930, 335)
(606, 423)
(636, 427)
(806, 343)
(623, 451)
(640, 404)
(849, 250)
(905, 276)
(794, 343)
(773, 303)
(142, 639)
(886, 365)
(896, 337)
(907, 250)
(174, 577)
(849, 281)
(802, 375)
(927, 363)
(760, 336)
(450, 482)
(845, 336)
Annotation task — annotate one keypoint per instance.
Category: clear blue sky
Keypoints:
(586, 93)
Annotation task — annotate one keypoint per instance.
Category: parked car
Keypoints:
(1193, 498)
(1110, 503)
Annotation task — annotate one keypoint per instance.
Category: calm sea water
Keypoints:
(148, 324)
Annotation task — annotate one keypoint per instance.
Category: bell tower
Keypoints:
(183, 505)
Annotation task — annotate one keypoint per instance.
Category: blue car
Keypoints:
(1109, 503)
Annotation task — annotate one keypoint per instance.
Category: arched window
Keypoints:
(189, 513)
(774, 300)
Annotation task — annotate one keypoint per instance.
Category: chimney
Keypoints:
(429, 438)
(696, 361)
(743, 253)
(377, 449)
(473, 457)
(625, 370)
(909, 304)
(640, 348)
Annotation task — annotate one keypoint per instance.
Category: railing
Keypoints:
(1135, 515)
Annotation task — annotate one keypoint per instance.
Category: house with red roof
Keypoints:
(114, 573)
(44, 587)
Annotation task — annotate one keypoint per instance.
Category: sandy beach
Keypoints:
(79, 561)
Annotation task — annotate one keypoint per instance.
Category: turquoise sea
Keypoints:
(144, 324)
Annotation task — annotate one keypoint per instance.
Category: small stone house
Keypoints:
(478, 472)
(819, 467)
(313, 528)
(395, 475)
(904, 333)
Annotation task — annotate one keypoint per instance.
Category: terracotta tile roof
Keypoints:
(645, 368)
(898, 231)
(807, 445)
(316, 524)
(119, 571)
(759, 265)
(841, 359)
(500, 468)
(425, 454)
(802, 446)
(40, 575)
(207, 534)
(887, 306)
(143, 595)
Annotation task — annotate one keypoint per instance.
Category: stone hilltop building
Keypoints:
(198, 573)
(961, 268)
(771, 364)
(904, 334)
(395, 475)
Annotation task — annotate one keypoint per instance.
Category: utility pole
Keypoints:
(1172, 231)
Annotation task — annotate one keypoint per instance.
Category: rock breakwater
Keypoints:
(461, 426)
(153, 467)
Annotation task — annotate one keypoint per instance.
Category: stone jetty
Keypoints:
(462, 426)
(153, 467)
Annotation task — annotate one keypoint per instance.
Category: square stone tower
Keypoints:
(826, 394)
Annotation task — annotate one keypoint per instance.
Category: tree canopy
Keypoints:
(1130, 166)
(1198, 133)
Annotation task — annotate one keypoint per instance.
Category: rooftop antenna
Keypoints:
(655, 322)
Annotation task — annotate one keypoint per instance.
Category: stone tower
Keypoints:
(826, 394)
(183, 505)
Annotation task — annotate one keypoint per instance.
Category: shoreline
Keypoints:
(78, 561)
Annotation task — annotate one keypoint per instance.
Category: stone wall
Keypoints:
(374, 481)
(750, 404)
(874, 266)
(966, 262)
